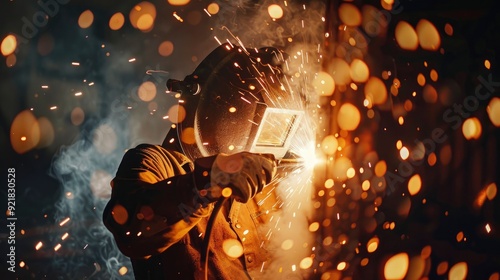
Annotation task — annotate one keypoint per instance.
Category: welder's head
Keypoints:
(237, 100)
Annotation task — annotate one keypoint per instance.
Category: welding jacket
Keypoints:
(158, 220)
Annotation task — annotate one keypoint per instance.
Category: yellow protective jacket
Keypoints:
(158, 220)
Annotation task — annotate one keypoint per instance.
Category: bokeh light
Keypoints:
(213, 8)
(178, 2)
(232, 248)
(147, 91)
(24, 132)
(359, 71)
(349, 14)
(348, 117)
(428, 35)
(340, 71)
(86, 19)
(329, 145)
(406, 36)
(414, 184)
(275, 11)
(397, 266)
(471, 128)
(375, 91)
(176, 113)
(116, 21)
(9, 44)
(324, 84)
(493, 110)
(142, 16)
(458, 271)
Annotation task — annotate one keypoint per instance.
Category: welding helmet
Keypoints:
(236, 100)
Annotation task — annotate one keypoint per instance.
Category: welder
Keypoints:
(223, 150)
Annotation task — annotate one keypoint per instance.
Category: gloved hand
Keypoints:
(244, 173)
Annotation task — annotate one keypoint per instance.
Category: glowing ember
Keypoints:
(39, 245)
(57, 247)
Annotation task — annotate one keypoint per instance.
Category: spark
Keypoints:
(488, 228)
(45, 86)
(85, 247)
(63, 222)
(78, 93)
(57, 247)
(65, 235)
(207, 12)
(75, 63)
(91, 83)
(131, 60)
(53, 107)
(39, 245)
(177, 17)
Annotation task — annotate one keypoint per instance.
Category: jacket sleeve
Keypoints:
(155, 200)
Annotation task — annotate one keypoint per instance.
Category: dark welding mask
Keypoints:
(237, 100)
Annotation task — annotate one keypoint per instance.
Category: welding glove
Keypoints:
(244, 173)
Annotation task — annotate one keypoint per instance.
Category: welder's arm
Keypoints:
(154, 202)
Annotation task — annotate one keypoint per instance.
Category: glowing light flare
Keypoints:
(232, 248)
(375, 91)
(166, 48)
(428, 35)
(414, 184)
(213, 8)
(349, 14)
(471, 128)
(396, 266)
(24, 125)
(348, 117)
(116, 21)
(147, 91)
(372, 244)
(178, 2)
(359, 71)
(142, 16)
(406, 36)
(458, 271)
(9, 44)
(493, 111)
(275, 11)
(324, 84)
(86, 19)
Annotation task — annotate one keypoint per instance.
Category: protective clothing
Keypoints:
(159, 220)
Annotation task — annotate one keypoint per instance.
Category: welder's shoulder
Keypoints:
(152, 163)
